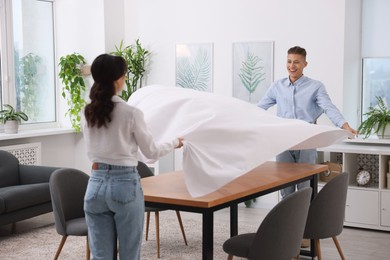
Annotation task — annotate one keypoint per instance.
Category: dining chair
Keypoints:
(67, 190)
(326, 213)
(279, 235)
(144, 171)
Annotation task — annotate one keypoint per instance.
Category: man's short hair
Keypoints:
(297, 50)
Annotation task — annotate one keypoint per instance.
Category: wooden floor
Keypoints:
(357, 244)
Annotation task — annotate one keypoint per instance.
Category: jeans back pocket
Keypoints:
(123, 190)
(93, 188)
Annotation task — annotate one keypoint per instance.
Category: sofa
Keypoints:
(24, 190)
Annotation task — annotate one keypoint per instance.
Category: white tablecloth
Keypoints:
(224, 137)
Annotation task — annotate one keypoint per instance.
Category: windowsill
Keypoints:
(36, 133)
(373, 140)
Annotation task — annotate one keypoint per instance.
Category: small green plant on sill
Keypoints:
(10, 114)
(378, 118)
(73, 89)
(136, 58)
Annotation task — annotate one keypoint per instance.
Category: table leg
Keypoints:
(313, 251)
(233, 220)
(208, 235)
(314, 186)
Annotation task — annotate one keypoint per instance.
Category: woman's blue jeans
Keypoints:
(114, 209)
(297, 156)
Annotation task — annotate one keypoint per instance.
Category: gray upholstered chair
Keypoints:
(279, 235)
(67, 190)
(326, 213)
(144, 171)
(24, 190)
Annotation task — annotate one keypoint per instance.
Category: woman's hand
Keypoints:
(180, 143)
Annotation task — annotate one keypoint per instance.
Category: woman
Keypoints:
(113, 132)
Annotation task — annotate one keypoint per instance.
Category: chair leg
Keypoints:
(230, 257)
(147, 224)
(60, 247)
(336, 242)
(157, 219)
(88, 252)
(317, 241)
(181, 227)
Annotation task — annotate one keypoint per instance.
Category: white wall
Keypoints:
(319, 26)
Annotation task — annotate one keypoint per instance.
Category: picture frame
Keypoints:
(194, 66)
(253, 64)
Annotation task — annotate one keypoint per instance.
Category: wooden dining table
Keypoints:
(168, 191)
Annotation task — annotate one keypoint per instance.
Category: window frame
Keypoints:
(8, 87)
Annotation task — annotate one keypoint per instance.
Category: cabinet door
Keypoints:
(385, 209)
(362, 207)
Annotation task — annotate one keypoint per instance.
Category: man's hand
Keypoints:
(346, 126)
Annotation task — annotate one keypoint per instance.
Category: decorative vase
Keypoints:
(11, 127)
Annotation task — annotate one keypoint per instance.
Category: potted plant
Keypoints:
(73, 89)
(377, 121)
(136, 58)
(11, 119)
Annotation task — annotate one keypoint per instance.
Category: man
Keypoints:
(299, 97)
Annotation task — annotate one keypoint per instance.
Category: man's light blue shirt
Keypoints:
(305, 99)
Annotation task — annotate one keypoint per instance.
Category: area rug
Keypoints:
(42, 243)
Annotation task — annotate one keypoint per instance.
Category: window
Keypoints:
(376, 82)
(27, 58)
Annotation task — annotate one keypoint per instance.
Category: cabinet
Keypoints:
(367, 206)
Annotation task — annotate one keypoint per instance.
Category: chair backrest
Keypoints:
(327, 210)
(9, 169)
(67, 190)
(280, 233)
(143, 170)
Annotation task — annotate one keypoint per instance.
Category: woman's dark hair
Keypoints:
(105, 70)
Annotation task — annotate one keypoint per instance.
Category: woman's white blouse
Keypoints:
(118, 143)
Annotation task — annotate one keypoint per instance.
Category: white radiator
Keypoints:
(27, 154)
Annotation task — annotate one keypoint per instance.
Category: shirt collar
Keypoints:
(297, 82)
(117, 99)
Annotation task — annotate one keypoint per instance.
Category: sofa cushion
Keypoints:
(9, 169)
(23, 196)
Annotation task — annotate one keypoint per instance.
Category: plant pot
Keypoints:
(11, 127)
(386, 133)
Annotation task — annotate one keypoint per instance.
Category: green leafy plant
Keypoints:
(378, 118)
(73, 89)
(9, 114)
(251, 73)
(136, 58)
(193, 74)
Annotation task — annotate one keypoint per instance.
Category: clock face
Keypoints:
(363, 177)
